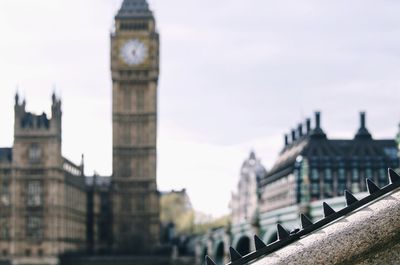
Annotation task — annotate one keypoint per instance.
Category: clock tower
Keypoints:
(135, 70)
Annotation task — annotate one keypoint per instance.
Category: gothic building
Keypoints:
(135, 70)
(42, 194)
(311, 166)
(47, 206)
(244, 202)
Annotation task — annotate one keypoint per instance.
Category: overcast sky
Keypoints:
(235, 75)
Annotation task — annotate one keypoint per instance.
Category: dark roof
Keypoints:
(316, 145)
(134, 9)
(6, 154)
(30, 120)
(337, 150)
(101, 181)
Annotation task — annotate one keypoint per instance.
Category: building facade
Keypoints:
(244, 202)
(135, 70)
(312, 167)
(43, 194)
(99, 215)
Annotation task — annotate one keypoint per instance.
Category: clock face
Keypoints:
(133, 52)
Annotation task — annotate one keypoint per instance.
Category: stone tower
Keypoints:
(46, 210)
(135, 69)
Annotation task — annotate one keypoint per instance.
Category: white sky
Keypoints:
(235, 75)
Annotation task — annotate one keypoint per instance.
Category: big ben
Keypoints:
(135, 70)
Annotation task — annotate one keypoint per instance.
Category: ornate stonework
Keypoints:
(43, 195)
(135, 69)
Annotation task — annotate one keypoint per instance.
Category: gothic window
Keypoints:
(139, 134)
(315, 190)
(34, 194)
(340, 189)
(126, 167)
(314, 175)
(133, 26)
(383, 180)
(127, 99)
(140, 99)
(328, 175)
(342, 175)
(355, 179)
(140, 202)
(328, 190)
(368, 173)
(145, 168)
(126, 133)
(139, 167)
(4, 229)
(34, 227)
(5, 194)
(355, 176)
(126, 204)
(34, 153)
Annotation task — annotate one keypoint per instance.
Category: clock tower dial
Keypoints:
(133, 52)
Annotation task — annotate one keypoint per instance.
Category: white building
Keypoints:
(244, 202)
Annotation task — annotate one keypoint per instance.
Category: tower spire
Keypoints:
(134, 9)
(363, 131)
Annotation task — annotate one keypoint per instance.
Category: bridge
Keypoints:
(216, 242)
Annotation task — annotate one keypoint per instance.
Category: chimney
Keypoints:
(53, 98)
(293, 135)
(82, 165)
(308, 126)
(16, 99)
(318, 132)
(362, 119)
(317, 120)
(363, 132)
(300, 130)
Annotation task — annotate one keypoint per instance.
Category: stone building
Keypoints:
(244, 202)
(43, 194)
(135, 70)
(48, 208)
(99, 215)
(312, 167)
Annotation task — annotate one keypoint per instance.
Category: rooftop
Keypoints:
(134, 9)
(315, 144)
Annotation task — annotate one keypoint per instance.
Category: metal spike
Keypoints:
(209, 261)
(327, 209)
(259, 243)
(371, 186)
(282, 233)
(305, 222)
(350, 199)
(393, 176)
(234, 254)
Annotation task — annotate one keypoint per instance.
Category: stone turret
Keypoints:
(37, 138)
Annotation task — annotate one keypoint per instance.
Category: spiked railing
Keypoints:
(285, 238)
